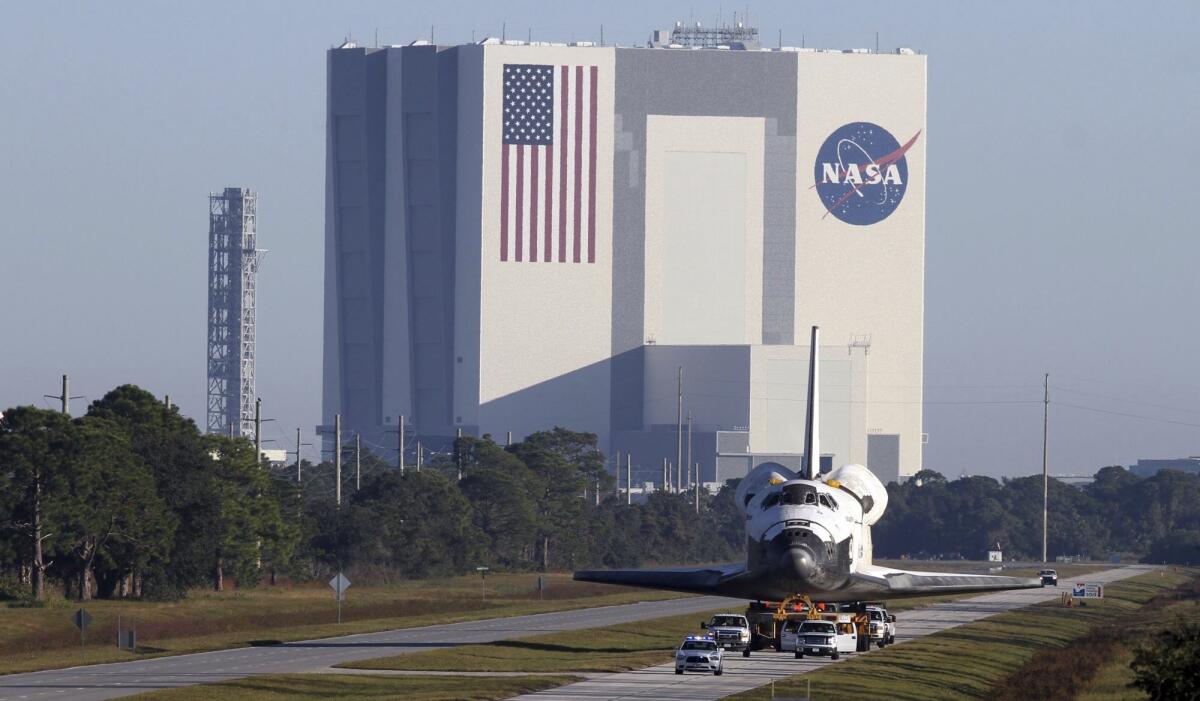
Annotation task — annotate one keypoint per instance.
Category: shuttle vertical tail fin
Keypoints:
(812, 443)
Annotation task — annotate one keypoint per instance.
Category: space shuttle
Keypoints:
(809, 534)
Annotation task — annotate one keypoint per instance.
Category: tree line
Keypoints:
(1156, 518)
(132, 500)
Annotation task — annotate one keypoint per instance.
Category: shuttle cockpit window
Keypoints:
(798, 494)
(828, 503)
(770, 500)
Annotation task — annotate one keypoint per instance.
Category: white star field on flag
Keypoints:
(528, 104)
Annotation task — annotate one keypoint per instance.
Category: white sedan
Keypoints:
(698, 655)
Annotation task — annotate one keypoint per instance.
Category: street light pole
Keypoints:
(1045, 474)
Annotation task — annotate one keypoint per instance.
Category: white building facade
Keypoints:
(527, 236)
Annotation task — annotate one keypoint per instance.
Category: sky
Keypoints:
(1060, 238)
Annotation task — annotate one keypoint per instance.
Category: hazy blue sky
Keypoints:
(1061, 223)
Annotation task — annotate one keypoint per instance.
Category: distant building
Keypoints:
(1149, 468)
(523, 235)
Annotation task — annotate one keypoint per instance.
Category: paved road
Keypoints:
(742, 674)
(122, 679)
(108, 681)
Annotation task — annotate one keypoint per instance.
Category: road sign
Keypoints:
(1087, 590)
(82, 619)
(340, 584)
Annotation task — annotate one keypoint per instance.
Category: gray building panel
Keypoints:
(355, 222)
(429, 86)
(700, 83)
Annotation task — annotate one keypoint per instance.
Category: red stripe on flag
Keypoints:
(519, 229)
(578, 155)
(533, 202)
(504, 203)
(592, 171)
(562, 182)
(549, 204)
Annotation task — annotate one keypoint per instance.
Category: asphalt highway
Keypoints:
(762, 668)
(125, 678)
(107, 681)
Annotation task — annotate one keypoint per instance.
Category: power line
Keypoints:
(1126, 415)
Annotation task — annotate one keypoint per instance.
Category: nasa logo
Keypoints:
(861, 173)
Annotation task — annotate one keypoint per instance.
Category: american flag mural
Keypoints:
(548, 164)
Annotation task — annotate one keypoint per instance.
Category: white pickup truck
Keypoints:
(731, 631)
(819, 637)
(882, 626)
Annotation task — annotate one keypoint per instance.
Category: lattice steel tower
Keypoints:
(232, 269)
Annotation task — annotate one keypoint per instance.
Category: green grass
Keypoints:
(45, 638)
(611, 649)
(301, 687)
(968, 661)
(1113, 678)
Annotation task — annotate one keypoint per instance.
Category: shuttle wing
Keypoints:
(700, 580)
(903, 583)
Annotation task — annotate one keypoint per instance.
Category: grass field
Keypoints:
(969, 661)
(45, 638)
(610, 649)
(305, 687)
(1111, 680)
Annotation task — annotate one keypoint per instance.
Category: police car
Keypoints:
(698, 654)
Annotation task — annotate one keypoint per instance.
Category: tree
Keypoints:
(177, 455)
(1168, 667)
(248, 522)
(34, 450)
(556, 485)
(1178, 548)
(109, 509)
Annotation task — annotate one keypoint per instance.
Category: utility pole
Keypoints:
(689, 460)
(400, 445)
(617, 474)
(357, 461)
(64, 398)
(628, 479)
(297, 455)
(697, 487)
(679, 432)
(458, 453)
(337, 457)
(420, 455)
(508, 440)
(1045, 474)
(167, 402)
(666, 474)
(258, 430)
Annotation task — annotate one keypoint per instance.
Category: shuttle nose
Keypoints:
(799, 562)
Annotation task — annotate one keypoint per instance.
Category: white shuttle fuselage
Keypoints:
(809, 534)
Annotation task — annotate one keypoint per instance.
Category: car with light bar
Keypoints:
(699, 654)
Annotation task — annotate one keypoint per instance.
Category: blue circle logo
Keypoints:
(861, 173)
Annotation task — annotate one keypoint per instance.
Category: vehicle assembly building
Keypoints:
(522, 235)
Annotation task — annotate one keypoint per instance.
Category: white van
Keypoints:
(820, 637)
